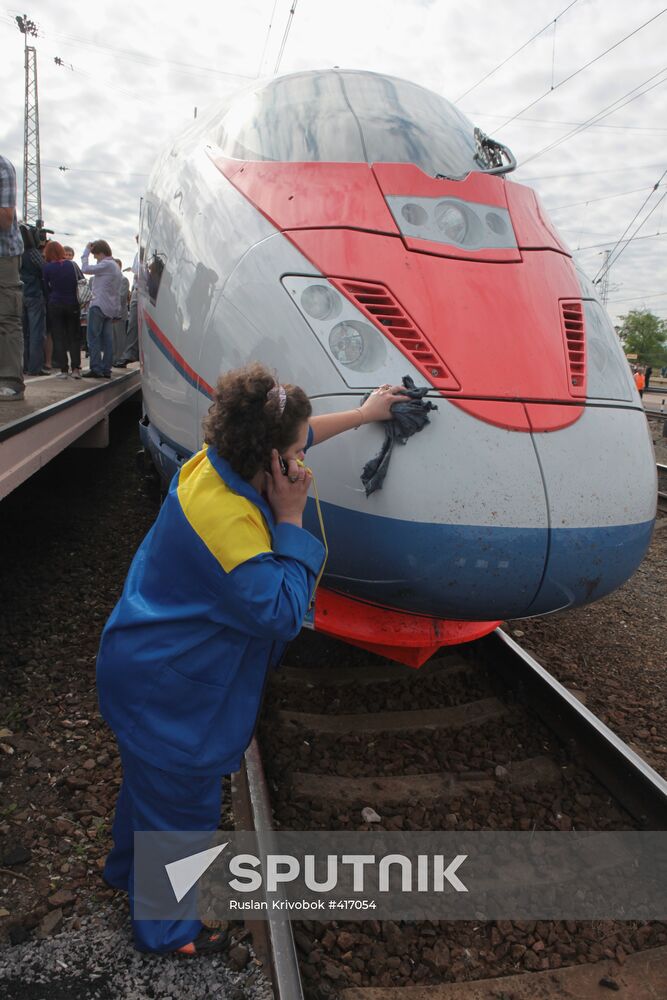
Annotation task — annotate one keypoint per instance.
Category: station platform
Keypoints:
(656, 404)
(57, 413)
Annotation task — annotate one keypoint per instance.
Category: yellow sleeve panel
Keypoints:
(229, 525)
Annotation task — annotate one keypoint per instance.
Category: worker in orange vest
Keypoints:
(640, 382)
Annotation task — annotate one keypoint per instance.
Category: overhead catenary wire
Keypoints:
(592, 173)
(120, 90)
(592, 201)
(70, 68)
(266, 40)
(611, 259)
(87, 170)
(582, 68)
(556, 123)
(290, 18)
(581, 232)
(553, 54)
(133, 96)
(146, 58)
(632, 221)
(632, 239)
(610, 109)
(640, 298)
(515, 53)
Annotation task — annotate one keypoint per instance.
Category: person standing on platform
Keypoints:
(640, 382)
(34, 307)
(69, 255)
(647, 376)
(12, 386)
(103, 307)
(63, 309)
(83, 309)
(120, 319)
(131, 352)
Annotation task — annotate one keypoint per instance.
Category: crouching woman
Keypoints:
(217, 588)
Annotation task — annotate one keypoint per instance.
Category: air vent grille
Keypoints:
(575, 335)
(378, 304)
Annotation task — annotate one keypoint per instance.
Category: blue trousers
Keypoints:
(100, 341)
(151, 799)
(34, 333)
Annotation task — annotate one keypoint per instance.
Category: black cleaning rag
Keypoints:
(406, 419)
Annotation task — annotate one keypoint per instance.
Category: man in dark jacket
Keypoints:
(11, 248)
(34, 305)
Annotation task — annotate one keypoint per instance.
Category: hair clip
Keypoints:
(278, 390)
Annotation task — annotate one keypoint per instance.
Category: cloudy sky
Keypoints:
(132, 75)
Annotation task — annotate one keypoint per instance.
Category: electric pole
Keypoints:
(32, 175)
(604, 279)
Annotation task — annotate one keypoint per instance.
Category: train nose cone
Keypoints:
(459, 530)
(475, 522)
(600, 481)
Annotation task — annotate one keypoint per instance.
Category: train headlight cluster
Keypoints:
(362, 354)
(464, 224)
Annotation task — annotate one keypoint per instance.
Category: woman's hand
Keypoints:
(377, 407)
(287, 494)
(379, 403)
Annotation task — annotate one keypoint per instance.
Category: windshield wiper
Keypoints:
(492, 156)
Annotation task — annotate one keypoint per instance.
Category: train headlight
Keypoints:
(347, 344)
(414, 214)
(496, 223)
(451, 222)
(320, 302)
(358, 346)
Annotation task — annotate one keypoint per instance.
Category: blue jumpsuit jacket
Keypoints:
(214, 592)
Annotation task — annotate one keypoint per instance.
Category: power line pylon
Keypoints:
(604, 279)
(32, 174)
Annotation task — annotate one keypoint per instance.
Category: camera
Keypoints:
(40, 234)
(35, 236)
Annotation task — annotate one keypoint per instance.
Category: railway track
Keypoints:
(662, 487)
(507, 747)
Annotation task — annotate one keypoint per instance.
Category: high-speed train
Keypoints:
(347, 229)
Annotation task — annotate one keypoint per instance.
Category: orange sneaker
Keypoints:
(207, 942)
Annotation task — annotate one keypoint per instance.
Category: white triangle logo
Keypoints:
(184, 873)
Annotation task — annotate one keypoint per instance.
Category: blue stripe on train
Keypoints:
(474, 572)
(587, 563)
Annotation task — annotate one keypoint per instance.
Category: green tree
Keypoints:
(644, 334)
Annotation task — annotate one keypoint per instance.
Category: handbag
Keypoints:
(83, 292)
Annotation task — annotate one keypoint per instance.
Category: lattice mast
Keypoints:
(604, 279)
(32, 174)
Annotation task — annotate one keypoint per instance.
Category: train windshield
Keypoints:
(350, 117)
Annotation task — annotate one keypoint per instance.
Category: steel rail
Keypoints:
(638, 788)
(280, 945)
(662, 480)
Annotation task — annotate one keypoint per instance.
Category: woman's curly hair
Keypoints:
(245, 423)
